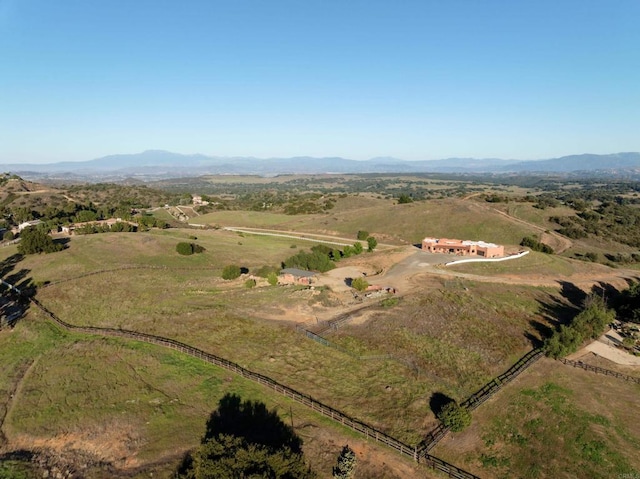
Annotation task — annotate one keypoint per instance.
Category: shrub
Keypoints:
(184, 248)
(266, 270)
(362, 235)
(372, 243)
(272, 278)
(250, 283)
(454, 416)
(535, 245)
(590, 323)
(188, 248)
(357, 247)
(8, 236)
(231, 271)
(346, 464)
(389, 302)
(359, 284)
(316, 261)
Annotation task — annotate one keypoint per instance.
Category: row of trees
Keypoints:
(590, 323)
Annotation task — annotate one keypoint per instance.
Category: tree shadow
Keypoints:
(63, 241)
(555, 310)
(16, 288)
(438, 401)
(252, 422)
(560, 309)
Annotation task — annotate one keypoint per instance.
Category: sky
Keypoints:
(416, 80)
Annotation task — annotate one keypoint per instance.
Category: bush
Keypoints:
(389, 302)
(250, 283)
(316, 261)
(35, 241)
(535, 245)
(590, 323)
(184, 248)
(359, 284)
(455, 417)
(346, 464)
(372, 243)
(188, 248)
(362, 235)
(8, 236)
(272, 279)
(266, 270)
(231, 271)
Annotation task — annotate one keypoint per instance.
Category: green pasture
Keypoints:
(554, 422)
(403, 222)
(151, 402)
(188, 301)
(533, 264)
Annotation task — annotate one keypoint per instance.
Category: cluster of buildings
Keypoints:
(462, 247)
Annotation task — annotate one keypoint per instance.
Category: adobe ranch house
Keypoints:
(462, 247)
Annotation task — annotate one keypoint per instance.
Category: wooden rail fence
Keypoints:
(369, 432)
(480, 396)
(599, 370)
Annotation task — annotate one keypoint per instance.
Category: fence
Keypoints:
(487, 391)
(599, 370)
(498, 383)
(364, 429)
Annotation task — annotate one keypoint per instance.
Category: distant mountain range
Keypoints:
(159, 164)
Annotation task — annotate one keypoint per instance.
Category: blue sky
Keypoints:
(411, 79)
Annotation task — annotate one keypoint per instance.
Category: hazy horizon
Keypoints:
(419, 80)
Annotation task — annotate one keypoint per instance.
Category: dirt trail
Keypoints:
(558, 242)
(13, 393)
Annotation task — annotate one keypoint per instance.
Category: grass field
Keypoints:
(450, 337)
(406, 223)
(553, 421)
(533, 265)
(132, 404)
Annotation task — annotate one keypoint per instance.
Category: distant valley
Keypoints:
(158, 164)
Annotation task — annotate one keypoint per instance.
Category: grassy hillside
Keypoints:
(400, 223)
(553, 421)
(121, 407)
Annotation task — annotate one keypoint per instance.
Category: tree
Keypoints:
(35, 241)
(589, 323)
(454, 416)
(404, 198)
(346, 464)
(359, 284)
(8, 235)
(563, 342)
(184, 248)
(231, 271)
(272, 278)
(362, 235)
(372, 243)
(245, 440)
(357, 247)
